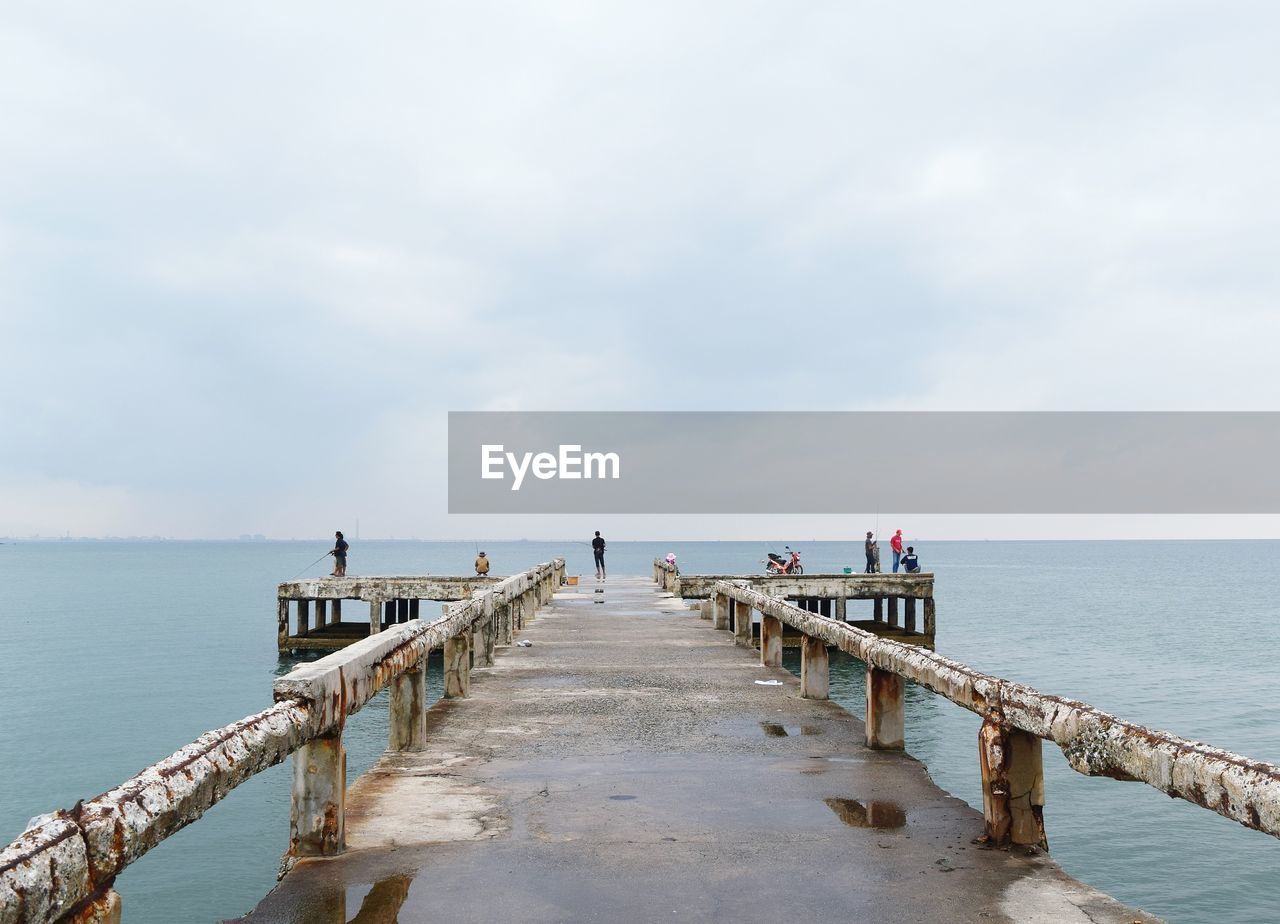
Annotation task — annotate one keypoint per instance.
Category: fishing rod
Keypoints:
(312, 565)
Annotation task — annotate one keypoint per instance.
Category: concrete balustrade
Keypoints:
(827, 595)
(1016, 718)
(64, 865)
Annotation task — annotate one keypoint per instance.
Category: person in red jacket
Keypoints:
(896, 544)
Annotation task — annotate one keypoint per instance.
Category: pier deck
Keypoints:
(627, 767)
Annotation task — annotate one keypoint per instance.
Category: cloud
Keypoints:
(241, 240)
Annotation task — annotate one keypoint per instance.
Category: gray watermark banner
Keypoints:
(858, 462)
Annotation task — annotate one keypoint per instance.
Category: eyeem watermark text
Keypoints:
(568, 463)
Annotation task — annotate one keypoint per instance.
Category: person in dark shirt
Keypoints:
(597, 548)
(872, 551)
(910, 563)
(339, 554)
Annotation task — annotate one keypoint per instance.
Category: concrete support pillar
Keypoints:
(842, 609)
(909, 614)
(457, 666)
(770, 640)
(706, 608)
(408, 726)
(1012, 786)
(375, 616)
(335, 615)
(930, 618)
(316, 815)
(893, 611)
(720, 612)
(741, 623)
(885, 714)
(814, 663)
(282, 624)
(485, 640)
(304, 616)
(322, 611)
(877, 609)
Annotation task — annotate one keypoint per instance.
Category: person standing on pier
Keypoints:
(339, 553)
(870, 548)
(896, 545)
(597, 548)
(482, 565)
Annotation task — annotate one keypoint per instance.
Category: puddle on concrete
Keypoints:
(621, 798)
(380, 903)
(774, 730)
(873, 814)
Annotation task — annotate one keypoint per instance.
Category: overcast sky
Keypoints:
(251, 253)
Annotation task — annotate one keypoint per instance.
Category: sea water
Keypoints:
(115, 654)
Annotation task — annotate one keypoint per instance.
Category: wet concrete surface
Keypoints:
(627, 767)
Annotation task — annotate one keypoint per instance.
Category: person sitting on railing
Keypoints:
(910, 562)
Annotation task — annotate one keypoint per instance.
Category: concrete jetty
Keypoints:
(645, 756)
(634, 763)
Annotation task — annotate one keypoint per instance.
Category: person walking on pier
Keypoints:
(597, 548)
(872, 551)
(896, 545)
(339, 553)
(482, 565)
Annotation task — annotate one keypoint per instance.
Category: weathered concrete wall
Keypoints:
(63, 867)
(385, 588)
(821, 586)
(72, 856)
(1094, 742)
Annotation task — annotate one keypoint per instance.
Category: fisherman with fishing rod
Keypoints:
(597, 549)
(339, 553)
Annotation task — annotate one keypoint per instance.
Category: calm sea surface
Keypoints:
(115, 654)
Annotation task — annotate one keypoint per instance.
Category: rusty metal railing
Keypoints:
(63, 867)
(1016, 718)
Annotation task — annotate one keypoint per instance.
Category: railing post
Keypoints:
(375, 615)
(814, 663)
(335, 613)
(322, 609)
(909, 614)
(282, 623)
(720, 615)
(1012, 785)
(409, 709)
(457, 665)
(893, 611)
(741, 623)
(877, 609)
(317, 813)
(842, 608)
(304, 616)
(484, 634)
(770, 640)
(885, 716)
(930, 618)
